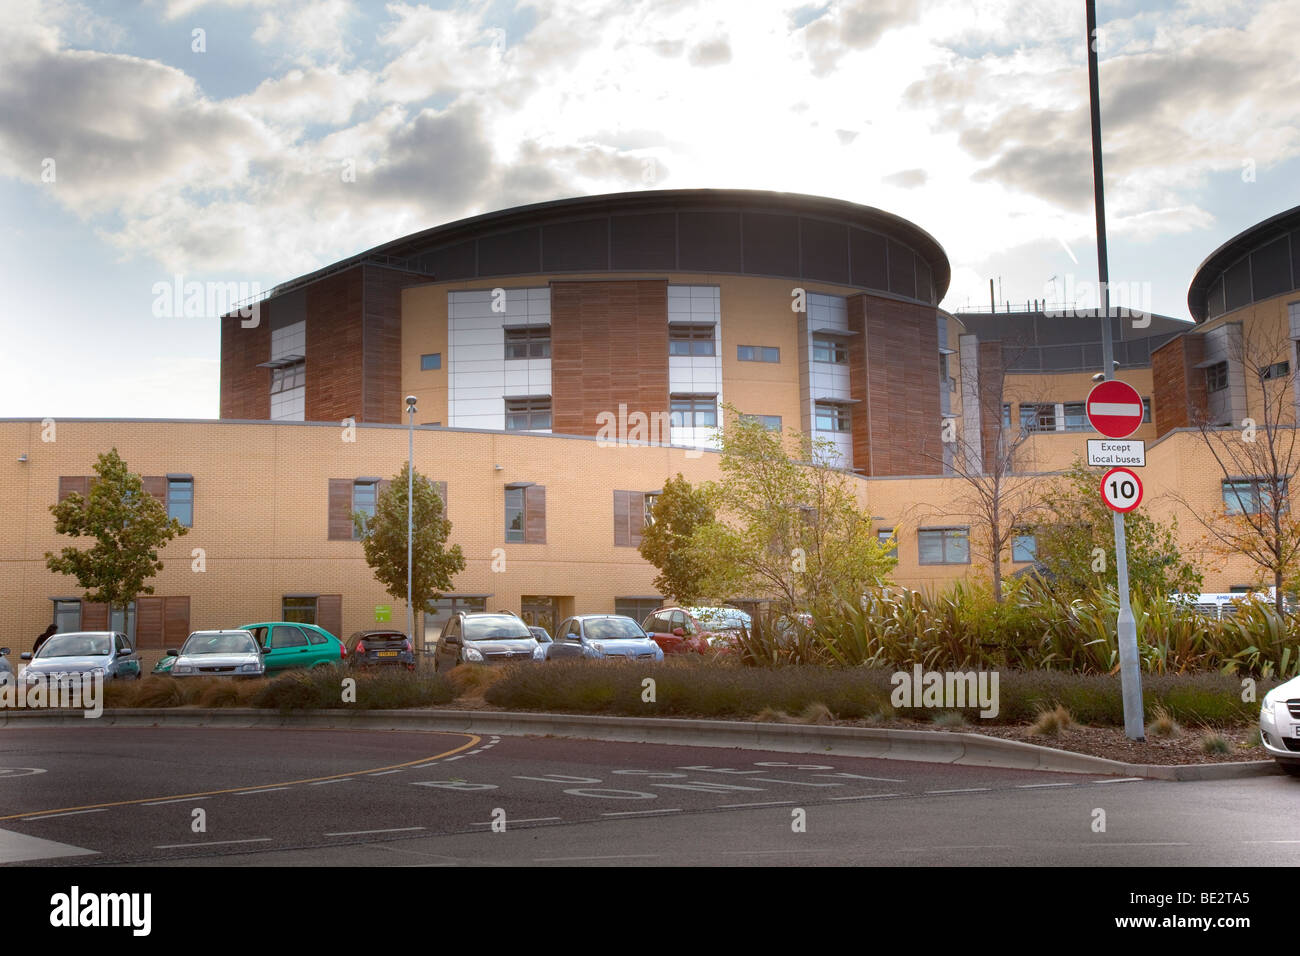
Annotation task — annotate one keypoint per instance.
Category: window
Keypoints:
(298, 609)
(690, 339)
(638, 609)
(1038, 418)
(831, 418)
(525, 514)
(1146, 410)
(650, 499)
(285, 636)
(438, 613)
(1216, 377)
(365, 494)
(694, 411)
(757, 353)
(1076, 419)
(67, 615)
(127, 627)
(1006, 416)
(528, 342)
(1275, 371)
(431, 362)
(180, 500)
(288, 391)
(1024, 546)
(771, 422)
(528, 414)
(943, 545)
(883, 536)
(830, 350)
(1252, 496)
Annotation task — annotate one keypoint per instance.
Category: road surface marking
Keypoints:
(368, 832)
(964, 790)
(384, 773)
(795, 783)
(1120, 780)
(776, 803)
(70, 813)
(209, 793)
(179, 846)
(1042, 786)
(21, 848)
(568, 859)
(159, 803)
(508, 821)
(322, 783)
(245, 793)
(635, 813)
(869, 796)
(1137, 844)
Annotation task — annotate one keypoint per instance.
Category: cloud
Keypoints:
(907, 178)
(846, 27)
(711, 53)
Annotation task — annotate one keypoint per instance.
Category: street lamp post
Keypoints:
(410, 515)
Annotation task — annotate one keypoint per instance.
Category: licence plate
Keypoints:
(1297, 732)
(388, 653)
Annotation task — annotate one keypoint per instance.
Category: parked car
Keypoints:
(286, 645)
(6, 671)
(380, 647)
(604, 637)
(544, 642)
(477, 637)
(684, 630)
(83, 652)
(218, 654)
(1279, 725)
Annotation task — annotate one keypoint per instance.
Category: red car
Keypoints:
(694, 630)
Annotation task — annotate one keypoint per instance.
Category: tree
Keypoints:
(383, 539)
(788, 526)
(999, 495)
(1076, 544)
(667, 539)
(129, 527)
(1256, 459)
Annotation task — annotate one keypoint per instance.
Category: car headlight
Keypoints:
(539, 652)
(598, 648)
(250, 668)
(474, 655)
(182, 669)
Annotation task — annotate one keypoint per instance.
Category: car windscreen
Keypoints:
(76, 645)
(496, 627)
(721, 618)
(219, 644)
(613, 628)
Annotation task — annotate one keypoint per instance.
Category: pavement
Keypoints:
(180, 796)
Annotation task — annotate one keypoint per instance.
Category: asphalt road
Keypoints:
(206, 796)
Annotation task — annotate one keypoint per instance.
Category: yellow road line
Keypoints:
(260, 786)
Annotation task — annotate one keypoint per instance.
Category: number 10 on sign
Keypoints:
(1121, 489)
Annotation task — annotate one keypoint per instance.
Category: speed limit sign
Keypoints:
(1121, 489)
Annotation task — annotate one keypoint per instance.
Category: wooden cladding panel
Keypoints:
(69, 484)
(902, 387)
(329, 613)
(1178, 395)
(609, 345)
(340, 526)
(334, 348)
(629, 518)
(245, 388)
(535, 514)
(94, 617)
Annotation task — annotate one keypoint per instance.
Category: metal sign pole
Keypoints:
(1126, 627)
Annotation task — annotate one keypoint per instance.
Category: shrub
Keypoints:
(158, 691)
(949, 718)
(1215, 743)
(1163, 725)
(1052, 722)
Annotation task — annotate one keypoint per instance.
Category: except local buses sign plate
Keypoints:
(1114, 409)
(1121, 489)
(1110, 452)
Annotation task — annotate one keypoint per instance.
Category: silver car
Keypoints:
(1279, 725)
(108, 654)
(6, 671)
(219, 654)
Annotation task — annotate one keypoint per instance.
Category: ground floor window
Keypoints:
(539, 611)
(298, 609)
(637, 608)
(67, 615)
(1024, 546)
(439, 612)
(943, 545)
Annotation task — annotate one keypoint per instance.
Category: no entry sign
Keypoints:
(1114, 409)
(1121, 489)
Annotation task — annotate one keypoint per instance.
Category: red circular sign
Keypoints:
(1114, 408)
(1121, 489)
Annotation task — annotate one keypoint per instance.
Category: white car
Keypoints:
(6, 671)
(219, 654)
(1279, 725)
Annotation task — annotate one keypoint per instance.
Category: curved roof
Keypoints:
(1261, 262)
(738, 231)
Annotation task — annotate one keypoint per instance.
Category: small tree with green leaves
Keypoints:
(667, 540)
(1076, 544)
(129, 527)
(383, 539)
(789, 527)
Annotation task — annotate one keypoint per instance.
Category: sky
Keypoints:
(146, 144)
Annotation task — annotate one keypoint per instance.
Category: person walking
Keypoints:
(45, 636)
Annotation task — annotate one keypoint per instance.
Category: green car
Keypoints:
(285, 646)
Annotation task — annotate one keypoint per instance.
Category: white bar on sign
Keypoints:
(1114, 408)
